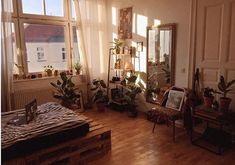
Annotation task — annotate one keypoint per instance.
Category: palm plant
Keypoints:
(117, 45)
(77, 66)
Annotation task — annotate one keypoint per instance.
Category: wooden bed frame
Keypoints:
(90, 147)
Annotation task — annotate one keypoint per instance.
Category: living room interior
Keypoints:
(117, 82)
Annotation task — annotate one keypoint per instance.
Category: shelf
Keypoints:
(122, 54)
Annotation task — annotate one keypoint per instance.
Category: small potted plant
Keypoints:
(77, 66)
(117, 46)
(66, 91)
(100, 97)
(208, 96)
(224, 88)
(48, 69)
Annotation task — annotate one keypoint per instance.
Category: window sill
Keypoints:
(44, 78)
(44, 82)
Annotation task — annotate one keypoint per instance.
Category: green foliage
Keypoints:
(224, 86)
(77, 66)
(99, 88)
(208, 92)
(48, 68)
(134, 89)
(117, 44)
(65, 90)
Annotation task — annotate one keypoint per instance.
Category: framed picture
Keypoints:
(125, 23)
(175, 99)
(139, 46)
(30, 110)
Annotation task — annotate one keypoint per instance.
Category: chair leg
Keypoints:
(173, 127)
(153, 127)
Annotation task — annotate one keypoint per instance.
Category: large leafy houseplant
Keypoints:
(130, 95)
(100, 97)
(66, 91)
(224, 88)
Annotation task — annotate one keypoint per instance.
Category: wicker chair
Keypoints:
(169, 114)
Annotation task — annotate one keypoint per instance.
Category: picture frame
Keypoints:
(30, 111)
(175, 99)
(125, 23)
(139, 46)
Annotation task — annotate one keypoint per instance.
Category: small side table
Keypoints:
(214, 139)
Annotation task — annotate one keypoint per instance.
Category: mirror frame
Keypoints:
(172, 27)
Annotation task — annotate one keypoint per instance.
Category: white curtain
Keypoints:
(91, 19)
(6, 55)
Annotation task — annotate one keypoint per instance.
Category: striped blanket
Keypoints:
(51, 118)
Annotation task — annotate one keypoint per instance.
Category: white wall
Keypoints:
(148, 13)
(166, 11)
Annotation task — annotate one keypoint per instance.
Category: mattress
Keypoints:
(53, 124)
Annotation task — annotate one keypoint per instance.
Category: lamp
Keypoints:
(128, 66)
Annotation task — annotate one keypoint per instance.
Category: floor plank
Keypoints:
(133, 143)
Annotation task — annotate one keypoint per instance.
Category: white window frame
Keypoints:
(19, 18)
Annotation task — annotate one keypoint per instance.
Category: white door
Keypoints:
(215, 42)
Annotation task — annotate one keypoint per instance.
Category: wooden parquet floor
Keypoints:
(133, 143)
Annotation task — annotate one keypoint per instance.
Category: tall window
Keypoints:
(44, 34)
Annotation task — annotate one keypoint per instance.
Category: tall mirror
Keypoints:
(160, 61)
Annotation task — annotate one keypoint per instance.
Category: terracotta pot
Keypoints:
(208, 101)
(49, 73)
(15, 76)
(78, 72)
(100, 106)
(224, 104)
(56, 73)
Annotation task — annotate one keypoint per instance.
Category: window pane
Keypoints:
(75, 46)
(15, 57)
(73, 13)
(33, 6)
(54, 7)
(45, 45)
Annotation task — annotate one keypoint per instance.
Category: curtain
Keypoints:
(92, 29)
(92, 37)
(6, 55)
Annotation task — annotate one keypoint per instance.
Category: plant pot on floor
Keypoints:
(208, 101)
(132, 111)
(100, 106)
(224, 104)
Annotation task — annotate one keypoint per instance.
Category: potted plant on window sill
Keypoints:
(48, 69)
(208, 96)
(99, 97)
(224, 88)
(66, 92)
(77, 66)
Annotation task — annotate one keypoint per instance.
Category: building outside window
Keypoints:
(45, 35)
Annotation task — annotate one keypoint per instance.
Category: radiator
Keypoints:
(21, 98)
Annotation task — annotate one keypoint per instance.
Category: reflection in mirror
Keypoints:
(160, 61)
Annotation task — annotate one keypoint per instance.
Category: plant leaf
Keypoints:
(230, 83)
(102, 83)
